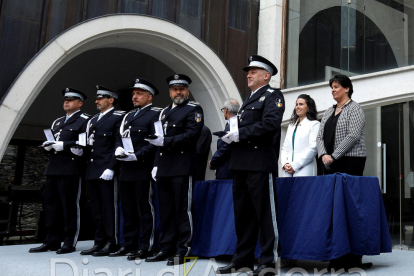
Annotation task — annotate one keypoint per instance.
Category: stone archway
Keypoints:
(163, 40)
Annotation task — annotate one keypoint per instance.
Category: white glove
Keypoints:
(120, 151)
(154, 173)
(48, 148)
(231, 137)
(128, 157)
(107, 175)
(77, 151)
(58, 146)
(159, 142)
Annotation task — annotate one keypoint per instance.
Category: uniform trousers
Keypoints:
(139, 214)
(255, 213)
(176, 222)
(62, 214)
(104, 207)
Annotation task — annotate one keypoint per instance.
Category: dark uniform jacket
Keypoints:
(138, 128)
(259, 131)
(65, 162)
(182, 128)
(101, 154)
(221, 159)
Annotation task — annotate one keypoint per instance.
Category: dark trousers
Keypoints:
(254, 213)
(348, 165)
(139, 214)
(104, 207)
(175, 197)
(62, 214)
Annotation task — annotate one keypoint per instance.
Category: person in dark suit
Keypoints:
(100, 170)
(135, 175)
(221, 159)
(203, 150)
(254, 164)
(63, 171)
(174, 168)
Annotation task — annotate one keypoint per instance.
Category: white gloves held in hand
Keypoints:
(159, 141)
(50, 143)
(120, 151)
(58, 146)
(107, 175)
(231, 137)
(127, 156)
(77, 151)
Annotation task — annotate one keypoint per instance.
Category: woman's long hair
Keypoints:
(312, 112)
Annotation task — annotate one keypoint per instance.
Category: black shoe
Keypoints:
(230, 268)
(270, 270)
(177, 259)
(161, 256)
(106, 250)
(45, 247)
(141, 254)
(93, 249)
(121, 252)
(65, 249)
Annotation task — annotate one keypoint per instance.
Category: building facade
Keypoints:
(50, 44)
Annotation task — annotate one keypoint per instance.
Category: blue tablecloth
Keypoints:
(319, 218)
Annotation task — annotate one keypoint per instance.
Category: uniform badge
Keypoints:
(67, 89)
(251, 58)
(262, 99)
(137, 81)
(176, 77)
(279, 103)
(97, 87)
(198, 117)
(58, 123)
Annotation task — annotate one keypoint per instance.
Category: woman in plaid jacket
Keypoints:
(341, 142)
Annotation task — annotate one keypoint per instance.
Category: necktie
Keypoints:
(100, 116)
(67, 117)
(137, 112)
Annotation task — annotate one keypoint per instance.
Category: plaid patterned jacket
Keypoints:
(349, 136)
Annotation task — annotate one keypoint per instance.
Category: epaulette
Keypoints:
(193, 103)
(156, 108)
(53, 124)
(85, 116)
(270, 90)
(119, 112)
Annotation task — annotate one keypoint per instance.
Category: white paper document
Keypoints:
(158, 128)
(49, 135)
(127, 143)
(82, 139)
(234, 126)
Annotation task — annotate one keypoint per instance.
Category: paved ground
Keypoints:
(16, 261)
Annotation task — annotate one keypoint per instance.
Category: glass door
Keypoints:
(397, 124)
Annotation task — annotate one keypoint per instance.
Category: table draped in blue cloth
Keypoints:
(325, 217)
(319, 218)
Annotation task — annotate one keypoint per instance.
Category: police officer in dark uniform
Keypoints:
(135, 176)
(254, 164)
(63, 171)
(174, 167)
(101, 163)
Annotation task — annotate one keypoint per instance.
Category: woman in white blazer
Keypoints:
(299, 148)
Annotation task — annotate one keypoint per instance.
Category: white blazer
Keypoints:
(304, 162)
